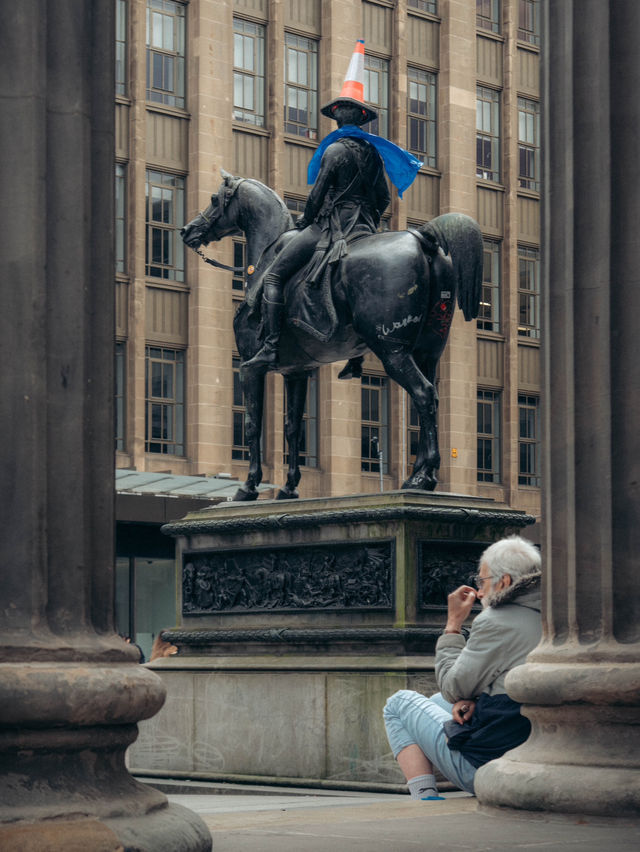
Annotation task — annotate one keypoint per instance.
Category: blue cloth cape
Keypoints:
(401, 166)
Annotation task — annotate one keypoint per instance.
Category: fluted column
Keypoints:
(71, 691)
(581, 686)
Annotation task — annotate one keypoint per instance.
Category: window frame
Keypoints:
(302, 45)
(120, 214)
(529, 443)
(175, 404)
(174, 57)
(239, 450)
(428, 121)
(371, 427)
(428, 6)
(489, 442)
(170, 241)
(257, 34)
(529, 22)
(489, 315)
(491, 99)
(120, 396)
(529, 257)
(488, 16)
(122, 47)
(308, 455)
(529, 144)
(380, 125)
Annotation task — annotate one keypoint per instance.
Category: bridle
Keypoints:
(210, 260)
(206, 218)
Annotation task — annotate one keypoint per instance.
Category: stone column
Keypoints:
(581, 686)
(71, 691)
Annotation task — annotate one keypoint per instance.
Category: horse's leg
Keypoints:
(296, 385)
(253, 389)
(401, 366)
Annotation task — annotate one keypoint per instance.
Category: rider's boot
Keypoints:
(352, 369)
(272, 309)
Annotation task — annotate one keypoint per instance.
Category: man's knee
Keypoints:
(397, 701)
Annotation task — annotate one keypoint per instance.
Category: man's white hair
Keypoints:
(514, 556)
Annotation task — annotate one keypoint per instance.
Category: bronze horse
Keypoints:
(394, 294)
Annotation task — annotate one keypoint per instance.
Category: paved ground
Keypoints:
(260, 819)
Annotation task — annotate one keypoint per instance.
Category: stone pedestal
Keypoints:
(298, 621)
(581, 686)
(71, 691)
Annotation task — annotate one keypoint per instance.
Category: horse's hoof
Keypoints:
(421, 483)
(242, 496)
(283, 494)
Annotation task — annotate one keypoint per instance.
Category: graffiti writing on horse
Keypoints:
(403, 323)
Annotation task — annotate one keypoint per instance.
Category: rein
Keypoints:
(217, 263)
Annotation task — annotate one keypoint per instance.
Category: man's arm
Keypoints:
(465, 669)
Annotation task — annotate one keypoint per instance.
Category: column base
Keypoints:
(559, 788)
(583, 754)
(63, 780)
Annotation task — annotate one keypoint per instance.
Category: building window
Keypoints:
(529, 440)
(239, 259)
(248, 72)
(164, 391)
(300, 86)
(376, 93)
(413, 431)
(121, 47)
(120, 224)
(165, 52)
(488, 134)
(240, 448)
(529, 21)
(528, 292)
(488, 15)
(421, 114)
(375, 423)
(430, 6)
(489, 314)
(488, 436)
(165, 217)
(529, 144)
(308, 454)
(120, 395)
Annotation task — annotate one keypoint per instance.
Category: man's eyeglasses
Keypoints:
(478, 580)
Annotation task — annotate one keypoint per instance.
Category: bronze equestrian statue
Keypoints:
(337, 289)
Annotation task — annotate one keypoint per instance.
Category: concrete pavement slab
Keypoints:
(312, 821)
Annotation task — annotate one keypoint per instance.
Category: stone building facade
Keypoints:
(238, 84)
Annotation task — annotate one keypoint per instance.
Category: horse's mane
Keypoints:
(284, 210)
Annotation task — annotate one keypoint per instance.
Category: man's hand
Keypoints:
(463, 710)
(459, 605)
(301, 222)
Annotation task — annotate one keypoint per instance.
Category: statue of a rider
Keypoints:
(348, 198)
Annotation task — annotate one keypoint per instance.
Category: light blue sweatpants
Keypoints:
(411, 718)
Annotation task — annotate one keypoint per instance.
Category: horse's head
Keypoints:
(219, 219)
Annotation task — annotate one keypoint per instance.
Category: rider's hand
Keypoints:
(301, 222)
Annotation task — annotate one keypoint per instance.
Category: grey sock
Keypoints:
(422, 786)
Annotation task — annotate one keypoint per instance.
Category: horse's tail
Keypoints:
(460, 236)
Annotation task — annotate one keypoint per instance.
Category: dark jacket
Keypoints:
(352, 184)
(501, 637)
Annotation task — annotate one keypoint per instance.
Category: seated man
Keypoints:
(472, 720)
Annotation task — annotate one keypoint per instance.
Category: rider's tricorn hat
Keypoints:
(353, 88)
